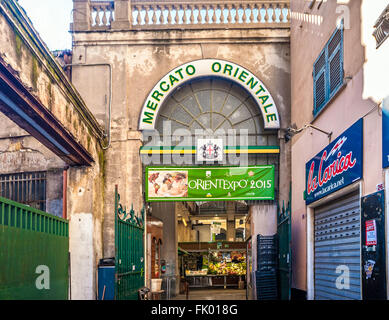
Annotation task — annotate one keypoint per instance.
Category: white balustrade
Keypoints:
(195, 14)
(102, 14)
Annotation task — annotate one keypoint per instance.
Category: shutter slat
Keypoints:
(335, 72)
(320, 92)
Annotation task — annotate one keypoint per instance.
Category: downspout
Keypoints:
(110, 94)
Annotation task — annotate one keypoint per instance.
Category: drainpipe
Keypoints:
(64, 192)
(110, 93)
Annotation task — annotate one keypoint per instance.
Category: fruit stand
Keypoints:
(214, 267)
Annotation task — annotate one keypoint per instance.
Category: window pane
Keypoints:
(240, 114)
(181, 115)
(17, 188)
(191, 104)
(218, 99)
(204, 98)
(231, 104)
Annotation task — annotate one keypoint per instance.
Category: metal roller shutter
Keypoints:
(337, 243)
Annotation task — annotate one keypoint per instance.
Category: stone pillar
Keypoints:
(81, 15)
(264, 219)
(167, 213)
(264, 222)
(124, 168)
(284, 171)
(54, 191)
(230, 221)
(85, 213)
(122, 15)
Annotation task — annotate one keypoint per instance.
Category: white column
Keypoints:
(310, 254)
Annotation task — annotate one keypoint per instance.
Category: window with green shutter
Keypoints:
(328, 70)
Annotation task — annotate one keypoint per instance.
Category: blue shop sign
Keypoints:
(336, 166)
(385, 133)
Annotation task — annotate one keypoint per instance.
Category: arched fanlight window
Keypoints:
(213, 103)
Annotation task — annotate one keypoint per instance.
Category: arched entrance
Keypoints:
(209, 105)
(209, 68)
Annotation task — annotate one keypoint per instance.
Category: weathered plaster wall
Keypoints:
(166, 212)
(85, 211)
(31, 63)
(139, 59)
(184, 233)
(21, 152)
(263, 220)
(307, 40)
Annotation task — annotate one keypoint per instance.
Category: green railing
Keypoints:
(284, 250)
(129, 250)
(34, 248)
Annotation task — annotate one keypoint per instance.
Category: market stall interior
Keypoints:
(213, 268)
(212, 250)
(203, 247)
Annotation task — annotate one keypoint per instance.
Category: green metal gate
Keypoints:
(129, 251)
(284, 252)
(34, 253)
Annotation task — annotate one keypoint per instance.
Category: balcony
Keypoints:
(120, 15)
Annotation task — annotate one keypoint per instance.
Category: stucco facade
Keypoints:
(137, 57)
(313, 28)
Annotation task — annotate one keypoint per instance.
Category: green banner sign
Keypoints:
(209, 183)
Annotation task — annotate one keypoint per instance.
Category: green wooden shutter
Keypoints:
(328, 70)
(335, 61)
(319, 85)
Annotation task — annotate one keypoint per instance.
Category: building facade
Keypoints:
(338, 65)
(154, 91)
(198, 66)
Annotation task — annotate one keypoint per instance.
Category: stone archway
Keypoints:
(209, 68)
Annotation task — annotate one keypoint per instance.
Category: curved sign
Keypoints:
(209, 67)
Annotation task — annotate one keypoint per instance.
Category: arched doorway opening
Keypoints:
(212, 233)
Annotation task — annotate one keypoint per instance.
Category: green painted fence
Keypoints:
(129, 249)
(284, 252)
(34, 248)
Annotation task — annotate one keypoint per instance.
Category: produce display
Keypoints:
(227, 268)
(216, 263)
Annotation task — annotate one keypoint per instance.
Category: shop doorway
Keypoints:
(210, 124)
(203, 249)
